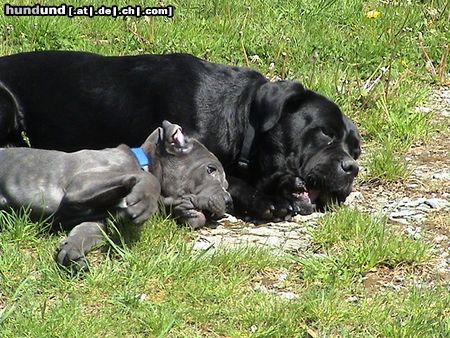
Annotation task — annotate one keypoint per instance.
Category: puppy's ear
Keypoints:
(272, 100)
(175, 142)
(154, 139)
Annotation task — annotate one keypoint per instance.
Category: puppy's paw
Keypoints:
(69, 256)
(139, 210)
(193, 218)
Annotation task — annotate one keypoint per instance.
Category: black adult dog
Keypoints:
(285, 148)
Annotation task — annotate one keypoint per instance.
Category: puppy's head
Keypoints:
(189, 172)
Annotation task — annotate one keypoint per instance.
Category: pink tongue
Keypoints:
(301, 196)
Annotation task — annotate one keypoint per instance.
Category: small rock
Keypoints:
(282, 276)
(273, 241)
(352, 299)
(399, 220)
(307, 218)
(354, 197)
(287, 295)
(202, 244)
(424, 109)
(261, 288)
(398, 279)
(229, 218)
(141, 297)
(442, 176)
(264, 231)
(403, 213)
(437, 203)
(414, 232)
(440, 238)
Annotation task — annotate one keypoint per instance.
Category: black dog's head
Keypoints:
(306, 150)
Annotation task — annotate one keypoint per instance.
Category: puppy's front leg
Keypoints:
(186, 210)
(92, 195)
(81, 239)
(142, 201)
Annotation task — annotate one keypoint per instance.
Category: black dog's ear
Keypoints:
(353, 138)
(272, 100)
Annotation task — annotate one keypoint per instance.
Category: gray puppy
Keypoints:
(80, 190)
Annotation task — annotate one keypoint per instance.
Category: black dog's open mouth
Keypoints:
(309, 200)
(304, 201)
(322, 199)
(309, 195)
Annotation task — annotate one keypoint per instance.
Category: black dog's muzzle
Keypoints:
(329, 176)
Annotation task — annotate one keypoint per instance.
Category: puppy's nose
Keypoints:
(350, 167)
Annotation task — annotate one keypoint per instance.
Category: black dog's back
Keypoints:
(69, 97)
(74, 100)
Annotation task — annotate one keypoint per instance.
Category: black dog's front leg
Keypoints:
(81, 239)
(248, 201)
(290, 191)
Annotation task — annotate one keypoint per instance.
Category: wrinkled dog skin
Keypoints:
(80, 190)
(302, 154)
(193, 183)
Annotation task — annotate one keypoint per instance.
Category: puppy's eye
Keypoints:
(210, 169)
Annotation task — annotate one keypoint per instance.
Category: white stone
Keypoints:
(202, 244)
(443, 175)
(437, 203)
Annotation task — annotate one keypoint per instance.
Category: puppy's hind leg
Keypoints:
(81, 239)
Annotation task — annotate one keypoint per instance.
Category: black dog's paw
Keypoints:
(266, 208)
(69, 256)
(302, 206)
(293, 190)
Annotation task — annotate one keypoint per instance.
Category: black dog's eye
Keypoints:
(211, 169)
(326, 132)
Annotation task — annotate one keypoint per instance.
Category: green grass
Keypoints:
(373, 68)
(386, 163)
(161, 287)
(353, 243)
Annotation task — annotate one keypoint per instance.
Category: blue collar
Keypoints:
(142, 158)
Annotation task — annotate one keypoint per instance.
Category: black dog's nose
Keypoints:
(350, 167)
